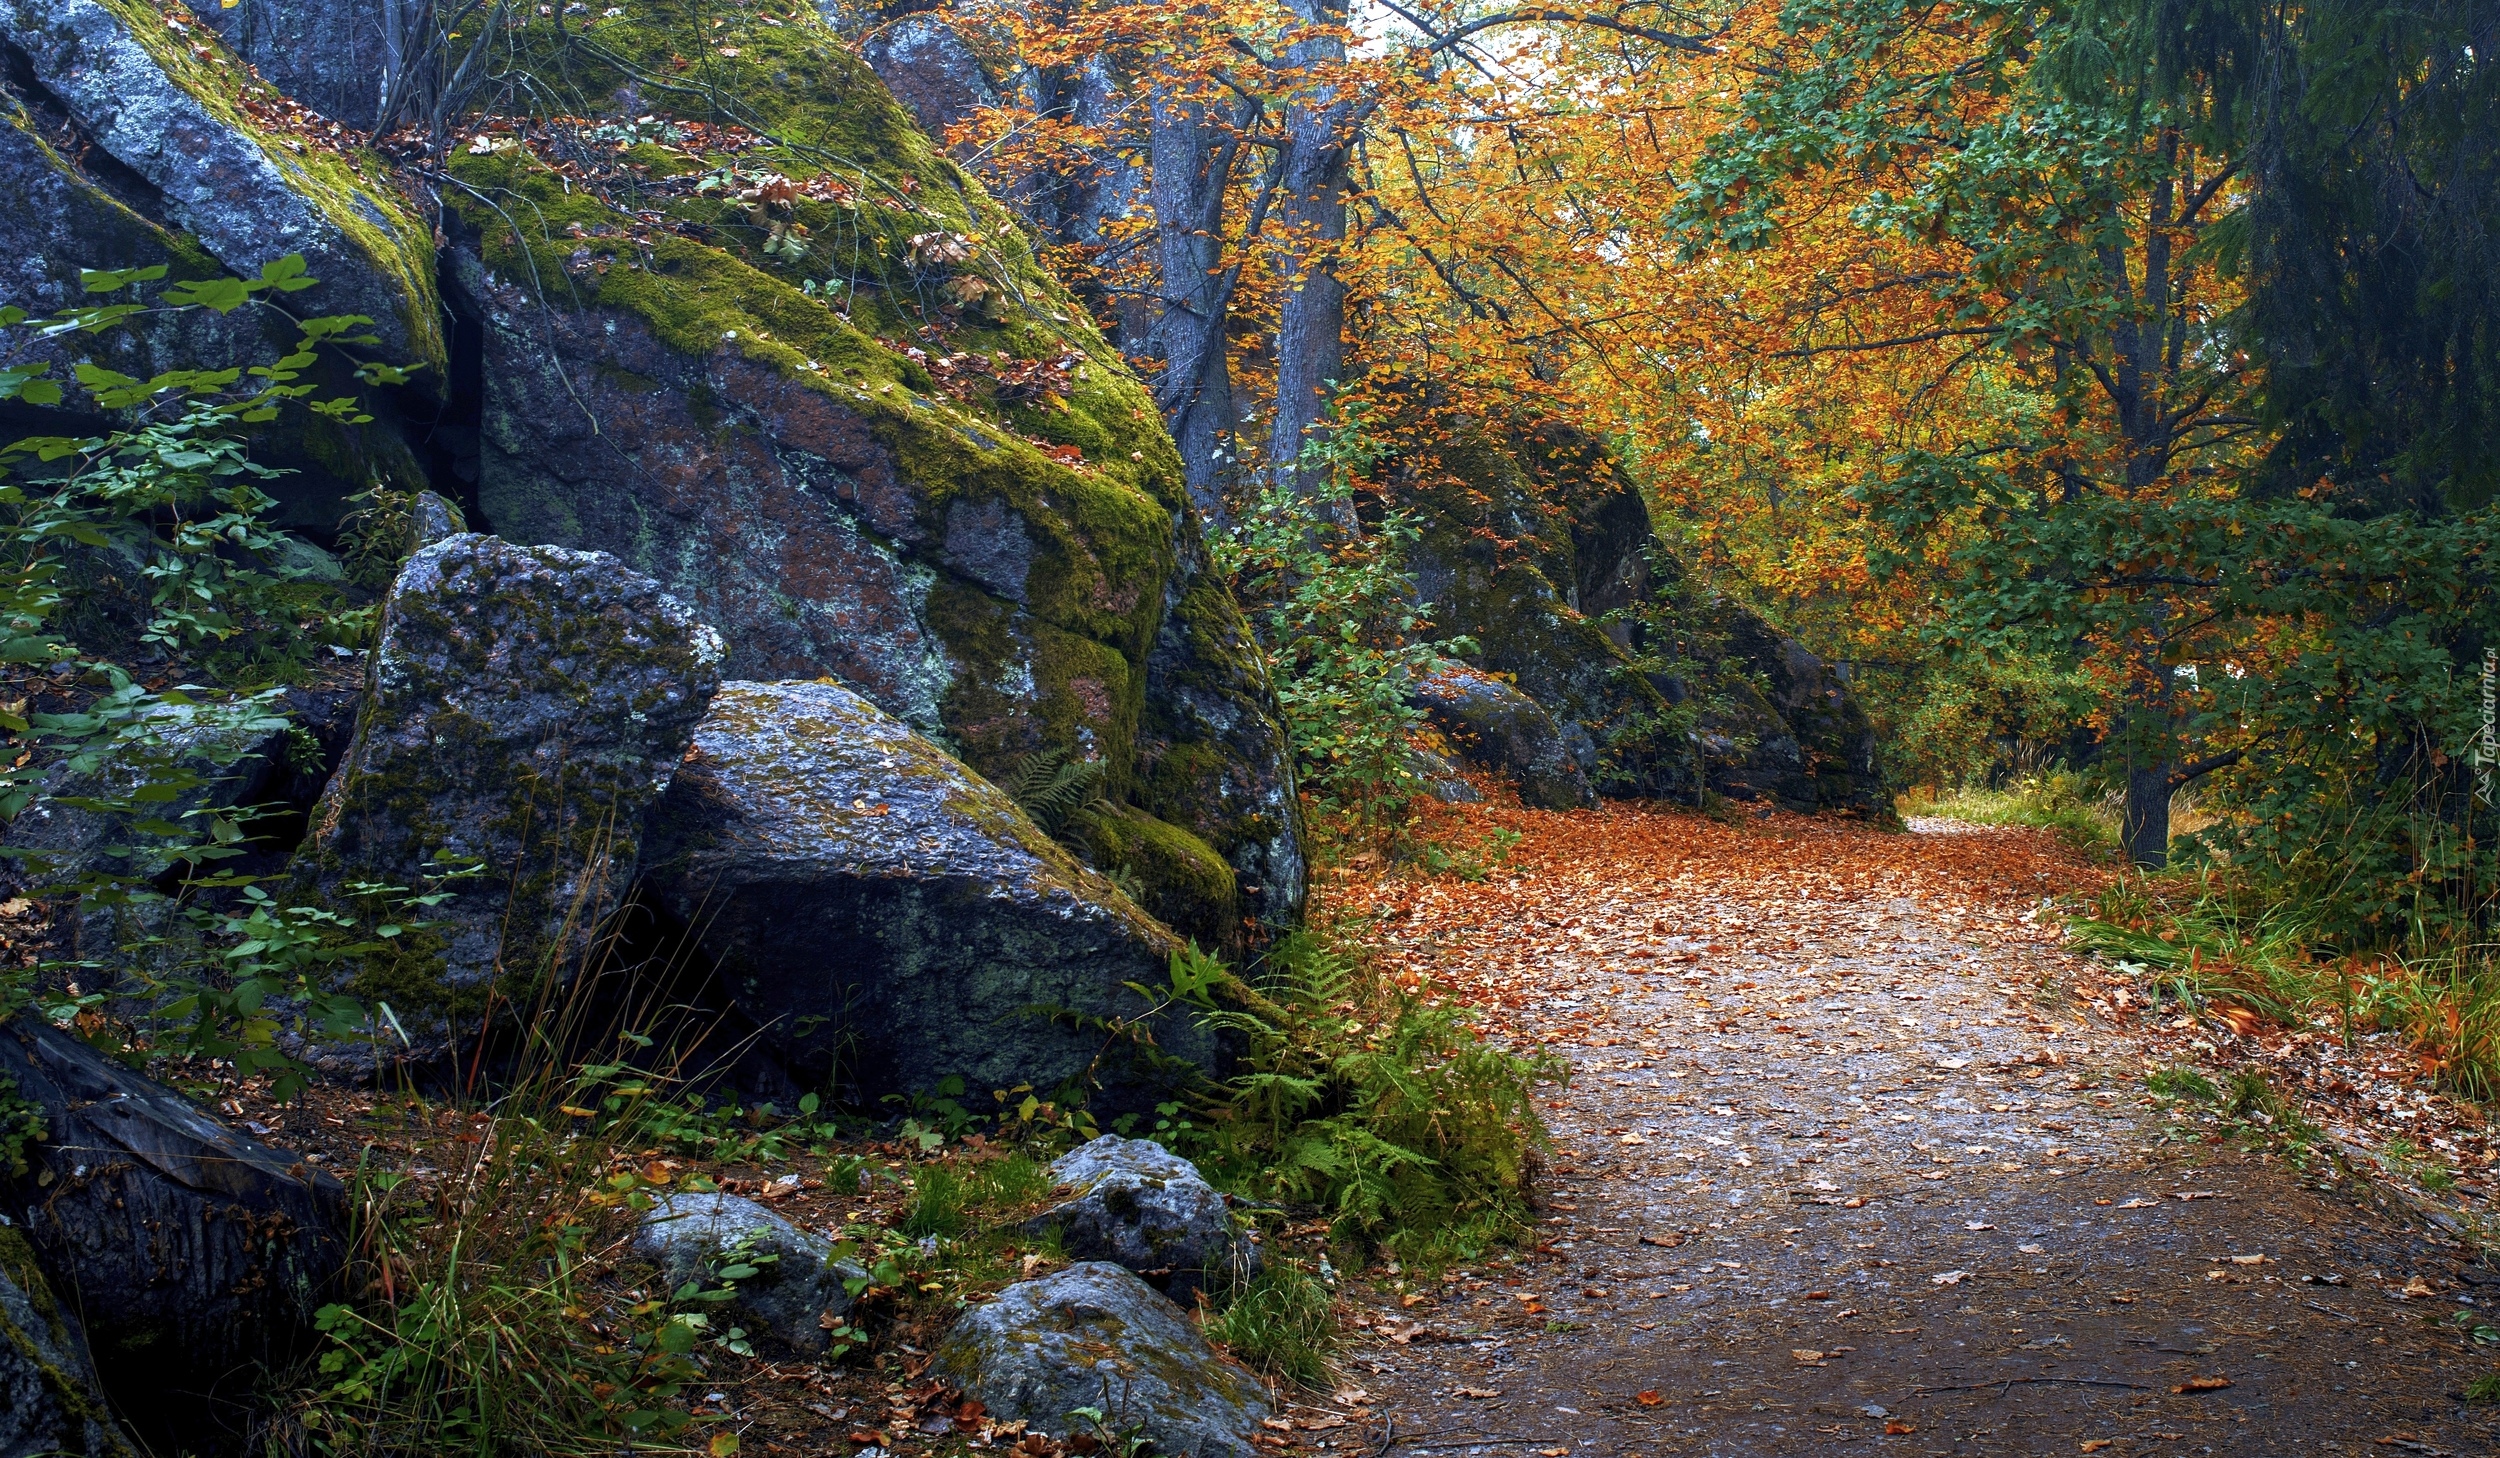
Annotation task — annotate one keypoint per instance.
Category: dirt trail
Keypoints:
(1842, 1167)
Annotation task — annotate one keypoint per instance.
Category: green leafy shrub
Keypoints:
(1378, 1106)
(172, 499)
(1333, 606)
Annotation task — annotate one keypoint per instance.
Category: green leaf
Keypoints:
(105, 281)
(221, 295)
(287, 274)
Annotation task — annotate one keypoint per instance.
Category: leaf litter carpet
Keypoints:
(1847, 1163)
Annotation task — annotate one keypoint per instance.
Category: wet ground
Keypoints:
(1845, 1166)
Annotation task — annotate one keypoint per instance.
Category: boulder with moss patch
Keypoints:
(129, 144)
(893, 920)
(1095, 1336)
(839, 406)
(50, 1404)
(1494, 725)
(179, 116)
(525, 705)
(190, 1250)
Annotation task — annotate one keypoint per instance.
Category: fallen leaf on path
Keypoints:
(2137, 1204)
(1670, 1241)
(1320, 1424)
(1282, 1425)
(1811, 1358)
(2094, 1445)
(1634, 1139)
(1651, 1398)
(2203, 1384)
(1895, 1429)
(2195, 1194)
(1818, 1295)
(2418, 1287)
(1949, 1278)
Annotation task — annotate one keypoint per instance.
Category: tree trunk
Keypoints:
(1192, 156)
(1310, 327)
(2145, 825)
(1083, 205)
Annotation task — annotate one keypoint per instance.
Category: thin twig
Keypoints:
(2008, 1382)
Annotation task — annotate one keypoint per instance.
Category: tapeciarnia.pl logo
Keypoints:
(2487, 749)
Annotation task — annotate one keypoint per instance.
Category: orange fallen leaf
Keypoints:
(1651, 1398)
(2203, 1384)
(1896, 1427)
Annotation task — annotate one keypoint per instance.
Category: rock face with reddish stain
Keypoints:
(848, 418)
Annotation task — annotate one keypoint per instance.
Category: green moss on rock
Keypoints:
(1179, 878)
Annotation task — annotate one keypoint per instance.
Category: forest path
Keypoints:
(1847, 1164)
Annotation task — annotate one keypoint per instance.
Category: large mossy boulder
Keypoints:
(525, 705)
(189, 1251)
(50, 1404)
(777, 351)
(134, 140)
(890, 919)
(1534, 547)
(1095, 1336)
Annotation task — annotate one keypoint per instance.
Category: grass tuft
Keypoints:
(1283, 1324)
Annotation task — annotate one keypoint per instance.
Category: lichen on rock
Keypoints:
(834, 401)
(525, 705)
(891, 919)
(170, 105)
(1095, 1336)
(1141, 1207)
(781, 1278)
(49, 1401)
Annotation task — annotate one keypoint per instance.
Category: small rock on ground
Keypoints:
(1140, 1206)
(797, 1289)
(1096, 1336)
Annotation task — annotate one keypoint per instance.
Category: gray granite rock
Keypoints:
(247, 204)
(331, 55)
(890, 917)
(1490, 723)
(793, 1287)
(432, 518)
(929, 69)
(1442, 777)
(1095, 1336)
(1140, 1206)
(525, 705)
